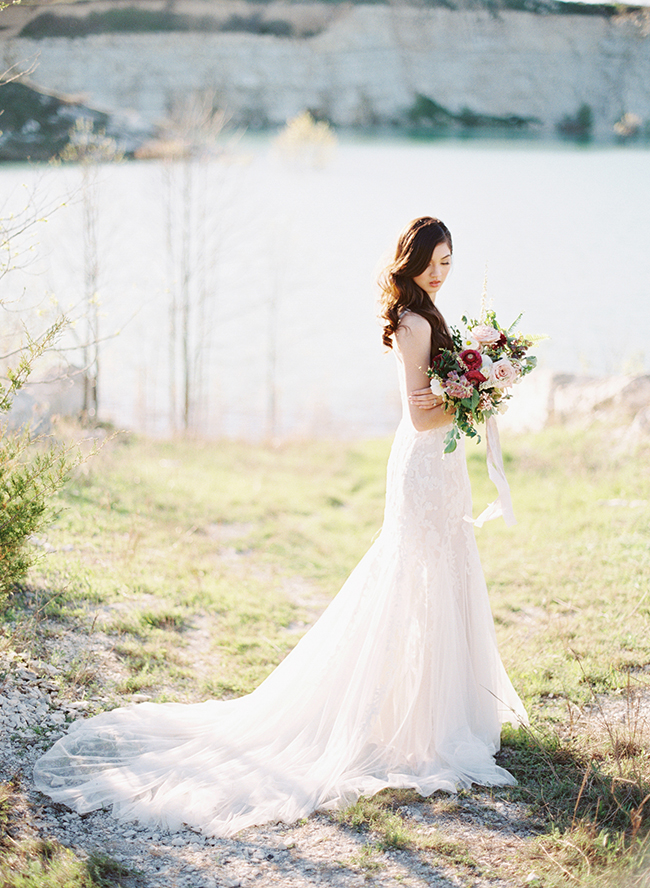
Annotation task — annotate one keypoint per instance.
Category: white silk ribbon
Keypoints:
(503, 503)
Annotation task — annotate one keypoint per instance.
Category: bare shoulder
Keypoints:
(413, 326)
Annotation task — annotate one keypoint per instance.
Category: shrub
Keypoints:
(425, 112)
(127, 20)
(133, 20)
(31, 470)
(578, 126)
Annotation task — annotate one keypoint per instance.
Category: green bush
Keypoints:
(425, 112)
(255, 24)
(32, 468)
(133, 20)
(128, 20)
(578, 126)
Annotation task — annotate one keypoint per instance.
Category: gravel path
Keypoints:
(470, 839)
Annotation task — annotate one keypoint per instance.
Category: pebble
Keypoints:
(27, 674)
(78, 706)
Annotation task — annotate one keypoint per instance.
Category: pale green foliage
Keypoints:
(307, 140)
(89, 147)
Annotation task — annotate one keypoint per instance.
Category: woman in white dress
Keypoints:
(398, 684)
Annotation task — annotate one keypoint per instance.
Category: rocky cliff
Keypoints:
(360, 65)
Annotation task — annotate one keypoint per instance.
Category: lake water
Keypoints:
(281, 261)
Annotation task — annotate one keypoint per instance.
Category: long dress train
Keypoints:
(398, 684)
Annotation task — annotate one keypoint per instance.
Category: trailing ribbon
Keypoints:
(503, 503)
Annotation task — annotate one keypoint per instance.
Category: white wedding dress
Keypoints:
(398, 684)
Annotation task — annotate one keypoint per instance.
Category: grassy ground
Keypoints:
(199, 565)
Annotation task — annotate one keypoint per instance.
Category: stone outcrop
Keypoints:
(547, 398)
(361, 65)
(619, 399)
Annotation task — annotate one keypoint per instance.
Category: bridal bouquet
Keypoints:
(477, 375)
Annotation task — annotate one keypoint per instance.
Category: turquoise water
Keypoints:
(283, 255)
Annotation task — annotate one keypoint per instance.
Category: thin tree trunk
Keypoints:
(186, 274)
(91, 281)
(172, 344)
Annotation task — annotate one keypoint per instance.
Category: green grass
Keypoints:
(569, 583)
(200, 564)
(156, 534)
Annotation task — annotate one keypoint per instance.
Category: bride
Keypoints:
(398, 684)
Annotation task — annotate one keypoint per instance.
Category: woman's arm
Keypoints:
(413, 342)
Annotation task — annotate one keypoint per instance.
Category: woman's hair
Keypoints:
(399, 292)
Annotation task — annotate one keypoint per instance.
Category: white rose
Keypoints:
(436, 387)
(486, 369)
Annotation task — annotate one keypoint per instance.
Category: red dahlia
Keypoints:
(471, 358)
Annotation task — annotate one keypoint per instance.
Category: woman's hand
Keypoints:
(424, 399)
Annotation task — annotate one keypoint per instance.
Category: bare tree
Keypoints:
(90, 149)
(194, 138)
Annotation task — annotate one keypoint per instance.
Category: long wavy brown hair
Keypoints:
(399, 292)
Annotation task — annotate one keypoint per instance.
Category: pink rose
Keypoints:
(504, 373)
(485, 334)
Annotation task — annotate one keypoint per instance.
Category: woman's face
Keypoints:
(435, 274)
